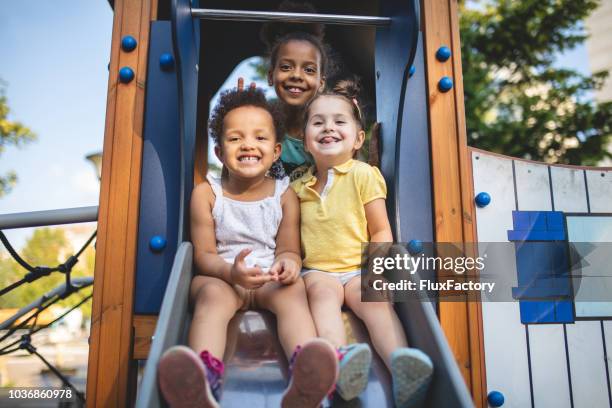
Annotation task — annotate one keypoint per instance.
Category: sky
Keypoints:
(54, 64)
(54, 57)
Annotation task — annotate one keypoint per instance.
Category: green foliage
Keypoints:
(46, 247)
(11, 133)
(261, 70)
(516, 102)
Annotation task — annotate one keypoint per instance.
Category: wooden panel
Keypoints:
(569, 190)
(549, 366)
(111, 375)
(585, 344)
(587, 365)
(599, 184)
(607, 342)
(144, 327)
(532, 186)
(453, 213)
(505, 344)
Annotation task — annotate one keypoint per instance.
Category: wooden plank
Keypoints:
(607, 342)
(584, 340)
(550, 378)
(587, 364)
(599, 184)
(144, 327)
(448, 168)
(475, 322)
(532, 186)
(569, 189)
(110, 371)
(507, 367)
(468, 216)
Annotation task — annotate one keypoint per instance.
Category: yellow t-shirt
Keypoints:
(334, 224)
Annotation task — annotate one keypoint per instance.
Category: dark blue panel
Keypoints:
(544, 288)
(159, 192)
(537, 312)
(396, 46)
(414, 191)
(185, 38)
(554, 220)
(564, 310)
(537, 226)
(536, 235)
(538, 220)
(520, 220)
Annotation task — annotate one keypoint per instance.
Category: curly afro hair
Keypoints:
(233, 99)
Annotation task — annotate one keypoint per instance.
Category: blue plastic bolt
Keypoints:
(128, 43)
(126, 74)
(157, 243)
(445, 84)
(166, 62)
(411, 71)
(482, 199)
(415, 246)
(495, 398)
(443, 53)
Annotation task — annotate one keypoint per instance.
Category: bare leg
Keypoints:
(325, 296)
(215, 303)
(379, 318)
(289, 304)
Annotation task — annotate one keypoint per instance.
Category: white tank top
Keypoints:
(247, 224)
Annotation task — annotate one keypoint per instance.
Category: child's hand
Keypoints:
(248, 278)
(241, 84)
(287, 271)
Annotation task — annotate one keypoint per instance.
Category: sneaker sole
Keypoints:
(353, 377)
(412, 373)
(182, 379)
(314, 374)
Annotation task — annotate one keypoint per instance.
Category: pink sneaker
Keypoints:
(314, 370)
(182, 378)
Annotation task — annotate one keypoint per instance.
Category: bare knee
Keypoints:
(284, 298)
(213, 293)
(363, 310)
(320, 293)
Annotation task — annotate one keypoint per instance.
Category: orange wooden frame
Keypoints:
(111, 374)
(453, 191)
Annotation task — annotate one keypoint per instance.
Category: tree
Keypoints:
(11, 133)
(516, 101)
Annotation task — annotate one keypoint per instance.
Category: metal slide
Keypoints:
(256, 369)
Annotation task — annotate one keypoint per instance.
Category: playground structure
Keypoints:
(167, 60)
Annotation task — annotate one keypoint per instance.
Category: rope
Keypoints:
(37, 329)
(36, 272)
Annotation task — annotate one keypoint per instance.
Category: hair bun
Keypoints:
(271, 32)
(348, 87)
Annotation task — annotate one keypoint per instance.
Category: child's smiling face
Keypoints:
(296, 76)
(332, 134)
(248, 144)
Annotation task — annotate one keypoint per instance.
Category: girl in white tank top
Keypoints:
(246, 240)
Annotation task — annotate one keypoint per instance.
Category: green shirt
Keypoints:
(294, 160)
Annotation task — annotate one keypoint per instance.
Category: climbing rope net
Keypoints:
(27, 316)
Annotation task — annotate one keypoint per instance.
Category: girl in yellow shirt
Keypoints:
(342, 205)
